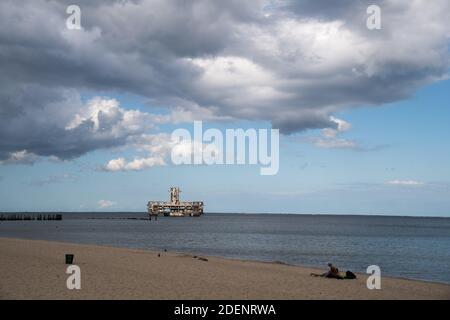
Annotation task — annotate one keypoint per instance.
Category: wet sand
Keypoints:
(32, 269)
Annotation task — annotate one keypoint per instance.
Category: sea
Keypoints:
(406, 247)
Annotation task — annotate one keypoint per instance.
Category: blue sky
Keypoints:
(86, 114)
(412, 136)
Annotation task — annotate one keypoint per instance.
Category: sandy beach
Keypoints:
(33, 269)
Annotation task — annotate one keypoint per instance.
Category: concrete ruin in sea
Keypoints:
(174, 207)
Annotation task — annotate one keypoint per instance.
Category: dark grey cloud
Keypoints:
(325, 9)
(294, 63)
(40, 121)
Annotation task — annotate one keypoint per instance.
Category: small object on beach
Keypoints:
(69, 258)
(195, 257)
(332, 273)
(202, 259)
(165, 250)
(159, 254)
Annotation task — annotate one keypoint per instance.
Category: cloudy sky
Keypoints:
(86, 115)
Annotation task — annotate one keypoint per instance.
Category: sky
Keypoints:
(86, 114)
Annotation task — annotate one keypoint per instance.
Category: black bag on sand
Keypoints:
(350, 275)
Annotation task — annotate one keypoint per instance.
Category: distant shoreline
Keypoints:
(35, 269)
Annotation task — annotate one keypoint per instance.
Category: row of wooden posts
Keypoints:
(15, 217)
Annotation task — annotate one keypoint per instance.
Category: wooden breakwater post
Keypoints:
(30, 217)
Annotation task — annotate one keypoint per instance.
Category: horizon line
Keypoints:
(247, 213)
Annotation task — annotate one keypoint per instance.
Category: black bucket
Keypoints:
(69, 258)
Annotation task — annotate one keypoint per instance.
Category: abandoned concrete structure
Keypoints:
(174, 207)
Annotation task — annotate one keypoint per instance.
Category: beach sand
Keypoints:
(33, 269)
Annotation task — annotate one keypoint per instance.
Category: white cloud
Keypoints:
(107, 117)
(20, 157)
(412, 183)
(335, 143)
(103, 204)
(159, 148)
(137, 164)
(329, 136)
(66, 127)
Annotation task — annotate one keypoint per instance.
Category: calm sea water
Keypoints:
(416, 248)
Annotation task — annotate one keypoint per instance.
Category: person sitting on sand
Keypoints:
(332, 273)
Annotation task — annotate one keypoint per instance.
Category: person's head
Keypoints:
(330, 265)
